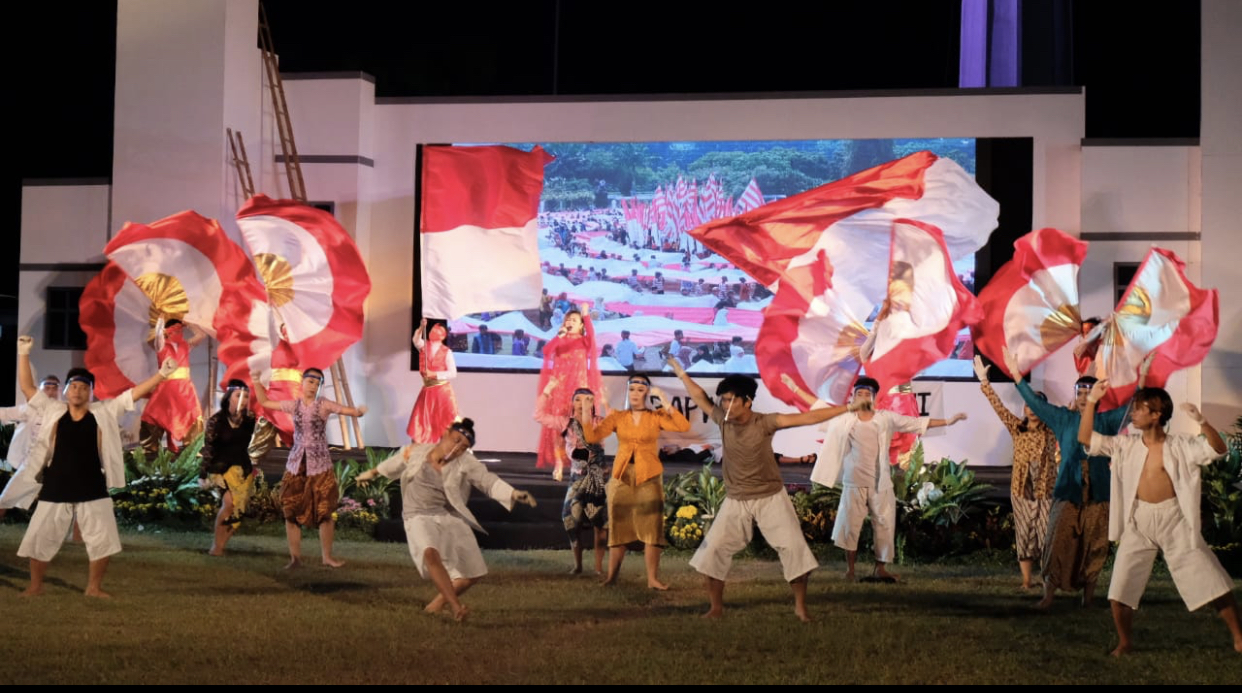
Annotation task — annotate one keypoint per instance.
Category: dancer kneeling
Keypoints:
(435, 484)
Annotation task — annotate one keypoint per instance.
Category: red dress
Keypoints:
(174, 404)
(575, 363)
(286, 384)
(436, 407)
(900, 400)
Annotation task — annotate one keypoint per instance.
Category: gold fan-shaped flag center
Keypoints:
(1060, 326)
(277, 275)
(168, 297)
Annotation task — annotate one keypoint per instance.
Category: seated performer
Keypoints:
(77, 458)
(1155, 507)
(435, 484)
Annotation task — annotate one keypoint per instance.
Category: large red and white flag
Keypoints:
(824, 251)
(926, 306)
(1161, 312)
(183, 264)
(1031, 305)
(115, 315)
(313, 273)
(478, 231)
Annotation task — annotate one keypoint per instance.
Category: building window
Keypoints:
(1123, 274)
(61, 328)
(329, 207)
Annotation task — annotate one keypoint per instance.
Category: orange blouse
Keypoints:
(637, 441)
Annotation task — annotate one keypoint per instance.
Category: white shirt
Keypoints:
(28, 427)
(862, 462)
(458, 475)
(625, 352)
(1183, 456)
(449, 363)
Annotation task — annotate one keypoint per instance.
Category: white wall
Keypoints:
(1222, 181)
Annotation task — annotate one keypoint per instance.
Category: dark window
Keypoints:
(329, 207)
(1123, 274)
(62, 330)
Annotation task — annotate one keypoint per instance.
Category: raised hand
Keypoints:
(168, 366)
(1011, 364)
(1193, 412)
(981, 371)
(1098, 391)
(24, 344)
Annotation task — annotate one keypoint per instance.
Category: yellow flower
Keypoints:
(687, 512)
(334, 517)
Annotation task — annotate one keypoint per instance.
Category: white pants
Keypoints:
(20, 492)
(1197, 574)
(452, 538)
(51, 523)
(734, 526)
(857, 503)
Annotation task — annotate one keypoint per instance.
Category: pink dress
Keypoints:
(575, 363)
(436, 407)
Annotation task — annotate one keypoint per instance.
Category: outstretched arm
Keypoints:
(260, 394)
(697, 393)
(145, 387)
(1087, 419)
(811, 400)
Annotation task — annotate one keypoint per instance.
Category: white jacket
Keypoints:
(831, 463)
(106, 413)
(459, 475)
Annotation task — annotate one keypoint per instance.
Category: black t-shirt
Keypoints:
(75, 474)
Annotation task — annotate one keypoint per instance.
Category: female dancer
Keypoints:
(226, 461)
(636, 491)
(571, 359)
(436, 407)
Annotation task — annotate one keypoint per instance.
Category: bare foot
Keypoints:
(332, 562)
(849, 576)
(33, 592)
(657, 585)
(576, 570)
(295, 562)
(98, 594)
(1121, 649)
(213, 552)
(1237, 645)
(435, 605)
(608, 581)
(1045, 603)
(802, 614)
(1086, 602)
(460, 615)
(714, 613)
(884, 574)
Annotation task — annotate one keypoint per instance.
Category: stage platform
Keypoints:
(540, 527)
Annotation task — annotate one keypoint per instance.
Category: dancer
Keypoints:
(226, 462)
(308, 490)
(586, 504)
(77, 457)
(571, 358)
(435, 485)
(1035, 456)
(1155, 491)
(275, 426)
(855, 454)
(436, 407)
(1076, 546)
(636, 492)
(754, 490)
(20, 492)
(173, 408)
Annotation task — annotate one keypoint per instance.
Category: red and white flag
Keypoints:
(752, 197)
(1031, 305)
(1160, 312)
(182, 263)
(926, 306)
(843, 230)
(115, 315)
(479, 236)
(313, 273)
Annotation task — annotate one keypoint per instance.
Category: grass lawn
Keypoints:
(180, 616)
